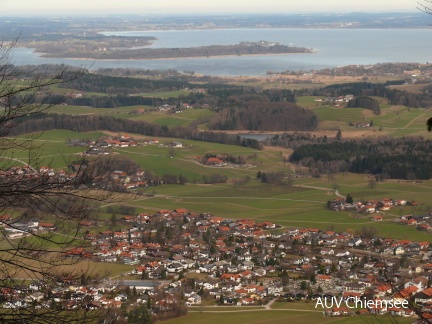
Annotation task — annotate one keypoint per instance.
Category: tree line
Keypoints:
(123, 85)
(114, 101)
(396, 158)
(260, 114)
(367, 89)
(365, 102)
(44, 122)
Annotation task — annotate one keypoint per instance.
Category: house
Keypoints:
(176, 144)
(47, 226)
(275, 290)
(355, 287)
(412, 221)
(354, 242)
(335, 311)
(350, 296)
(193, 299)
(396, 311)
(423, 297)
(419, 283)
(323, 278)
(399, 250)
(326, 251)
(377, 308)
(214, 161)
(405, 293)
(247, 301)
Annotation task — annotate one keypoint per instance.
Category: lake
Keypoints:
(333, 47)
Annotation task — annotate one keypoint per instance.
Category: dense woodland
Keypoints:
(297, 140)
(113, 101)
(45, 122)
(397, 158)
(365, 102)
(264, 116)
(393, 96)
(122, 85)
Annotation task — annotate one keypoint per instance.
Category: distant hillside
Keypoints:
(45, 28)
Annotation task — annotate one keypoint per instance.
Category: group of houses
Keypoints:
(368, 206)
(243, 261)
(335, 101)
(220, 160)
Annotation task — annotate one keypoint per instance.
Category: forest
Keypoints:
(365, 102)
(90, 82)
(365, 89)
(397, 158)
(264, 116)
(44, 122)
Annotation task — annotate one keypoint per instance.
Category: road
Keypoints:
(267, 307)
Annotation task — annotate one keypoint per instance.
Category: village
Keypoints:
(180, 257)
(198, 258)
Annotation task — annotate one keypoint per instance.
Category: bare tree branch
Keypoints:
(29, 196)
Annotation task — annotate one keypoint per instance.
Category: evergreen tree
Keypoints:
(221, 299)
(303, 285)
(258, 176)
(140, 315)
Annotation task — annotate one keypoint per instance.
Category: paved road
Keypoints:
(267, 307)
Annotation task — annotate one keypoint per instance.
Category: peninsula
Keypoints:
(108, 53)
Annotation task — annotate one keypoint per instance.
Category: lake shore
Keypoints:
(173, 58)
(332, 48)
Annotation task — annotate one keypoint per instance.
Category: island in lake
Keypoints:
(139, 53)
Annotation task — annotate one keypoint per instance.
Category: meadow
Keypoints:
(279, 316)
(394, 121)
(300, 204)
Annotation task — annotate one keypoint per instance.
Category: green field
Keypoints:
(185, 118)
(281, 316)
(337, 114)
(300, 205)
(84, 110)
(394, 120)
(164, 94)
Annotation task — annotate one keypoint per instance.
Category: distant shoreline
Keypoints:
(170, 58)
(121, 32)
(332, 48)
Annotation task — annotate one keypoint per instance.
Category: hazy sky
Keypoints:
(69, 7)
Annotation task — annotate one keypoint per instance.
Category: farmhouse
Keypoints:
(176, 144)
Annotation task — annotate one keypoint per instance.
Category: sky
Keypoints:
(101, 7)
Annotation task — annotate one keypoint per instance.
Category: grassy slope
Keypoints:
(394, 120)
(302, 205)
(162, 118)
